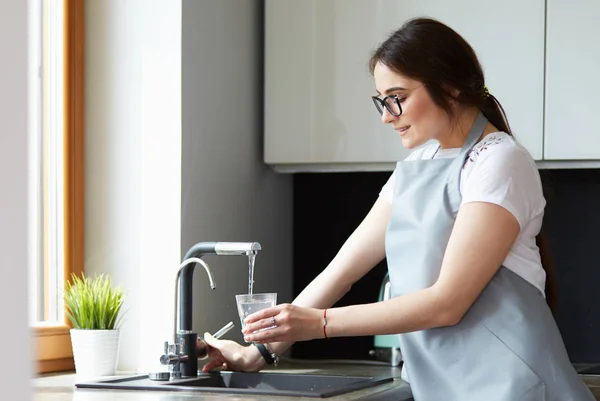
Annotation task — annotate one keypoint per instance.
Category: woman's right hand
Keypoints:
(230, 355)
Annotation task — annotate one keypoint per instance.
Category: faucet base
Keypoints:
(189, 368)
(159, 376)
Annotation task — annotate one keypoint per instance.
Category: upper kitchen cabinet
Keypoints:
(572, 85)
(318, 111)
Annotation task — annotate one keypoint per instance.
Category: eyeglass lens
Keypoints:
(391, 103)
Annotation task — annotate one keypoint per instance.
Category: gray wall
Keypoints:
(228, 193)
(133, 165)
(14, 180)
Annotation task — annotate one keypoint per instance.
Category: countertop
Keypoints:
(61, 387)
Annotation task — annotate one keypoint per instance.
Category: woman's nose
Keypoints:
(387, 117)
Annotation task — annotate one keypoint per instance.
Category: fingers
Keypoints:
(214, 347)
(210, 340)
(268, 323)
(263, 314)
(286, 322)
(267, 318)
(270, 335)
(261, 326)
(215, 363)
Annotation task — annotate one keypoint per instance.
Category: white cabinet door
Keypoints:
(317, 85)
(508, 38)
(572, 80)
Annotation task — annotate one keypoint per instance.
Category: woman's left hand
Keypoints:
(285, 322)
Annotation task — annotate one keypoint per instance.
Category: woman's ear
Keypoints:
(453, 92)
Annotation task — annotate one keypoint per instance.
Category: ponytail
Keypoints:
(494, 112)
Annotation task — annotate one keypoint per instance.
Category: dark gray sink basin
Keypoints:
(304, 385)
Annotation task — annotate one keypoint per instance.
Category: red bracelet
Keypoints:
(325, 324)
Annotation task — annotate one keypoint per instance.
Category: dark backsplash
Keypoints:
(571, 224)
(329, 206)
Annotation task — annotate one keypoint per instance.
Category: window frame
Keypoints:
(53, 341)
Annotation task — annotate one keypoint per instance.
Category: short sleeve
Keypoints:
(505, 175)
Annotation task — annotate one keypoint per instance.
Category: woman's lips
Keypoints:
(403, 130)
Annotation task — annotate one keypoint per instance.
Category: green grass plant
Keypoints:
(93, 303)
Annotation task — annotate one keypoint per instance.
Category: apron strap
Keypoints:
(474, 134)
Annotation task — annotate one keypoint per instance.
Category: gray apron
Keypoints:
(507, 347)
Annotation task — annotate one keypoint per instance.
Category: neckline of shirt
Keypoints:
(439, 153)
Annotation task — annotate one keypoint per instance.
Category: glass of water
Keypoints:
(247, 304)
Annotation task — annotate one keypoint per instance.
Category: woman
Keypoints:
(457, 221)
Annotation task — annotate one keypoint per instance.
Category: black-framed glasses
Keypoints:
(391, 103)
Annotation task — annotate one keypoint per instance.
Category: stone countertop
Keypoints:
(61, 387)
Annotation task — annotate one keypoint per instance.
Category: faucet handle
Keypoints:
(175, 348)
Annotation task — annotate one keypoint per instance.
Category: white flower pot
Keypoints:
(95, 352)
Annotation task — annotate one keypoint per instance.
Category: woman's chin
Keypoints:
(408, 143)
(412, 142)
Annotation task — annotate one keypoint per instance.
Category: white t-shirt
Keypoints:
(499, 170)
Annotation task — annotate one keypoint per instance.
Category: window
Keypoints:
(57, 208)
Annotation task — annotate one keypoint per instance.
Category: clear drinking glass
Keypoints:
(247, 304)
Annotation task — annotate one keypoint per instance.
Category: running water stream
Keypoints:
(251, 259)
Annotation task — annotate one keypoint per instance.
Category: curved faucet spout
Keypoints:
(186, 262)
(177, 306)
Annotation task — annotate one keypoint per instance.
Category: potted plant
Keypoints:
(93, 306)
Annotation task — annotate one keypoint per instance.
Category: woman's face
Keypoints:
(421, 119)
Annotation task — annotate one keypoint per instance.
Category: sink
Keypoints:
(288, 384)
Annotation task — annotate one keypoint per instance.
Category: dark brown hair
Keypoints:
(430, 52)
